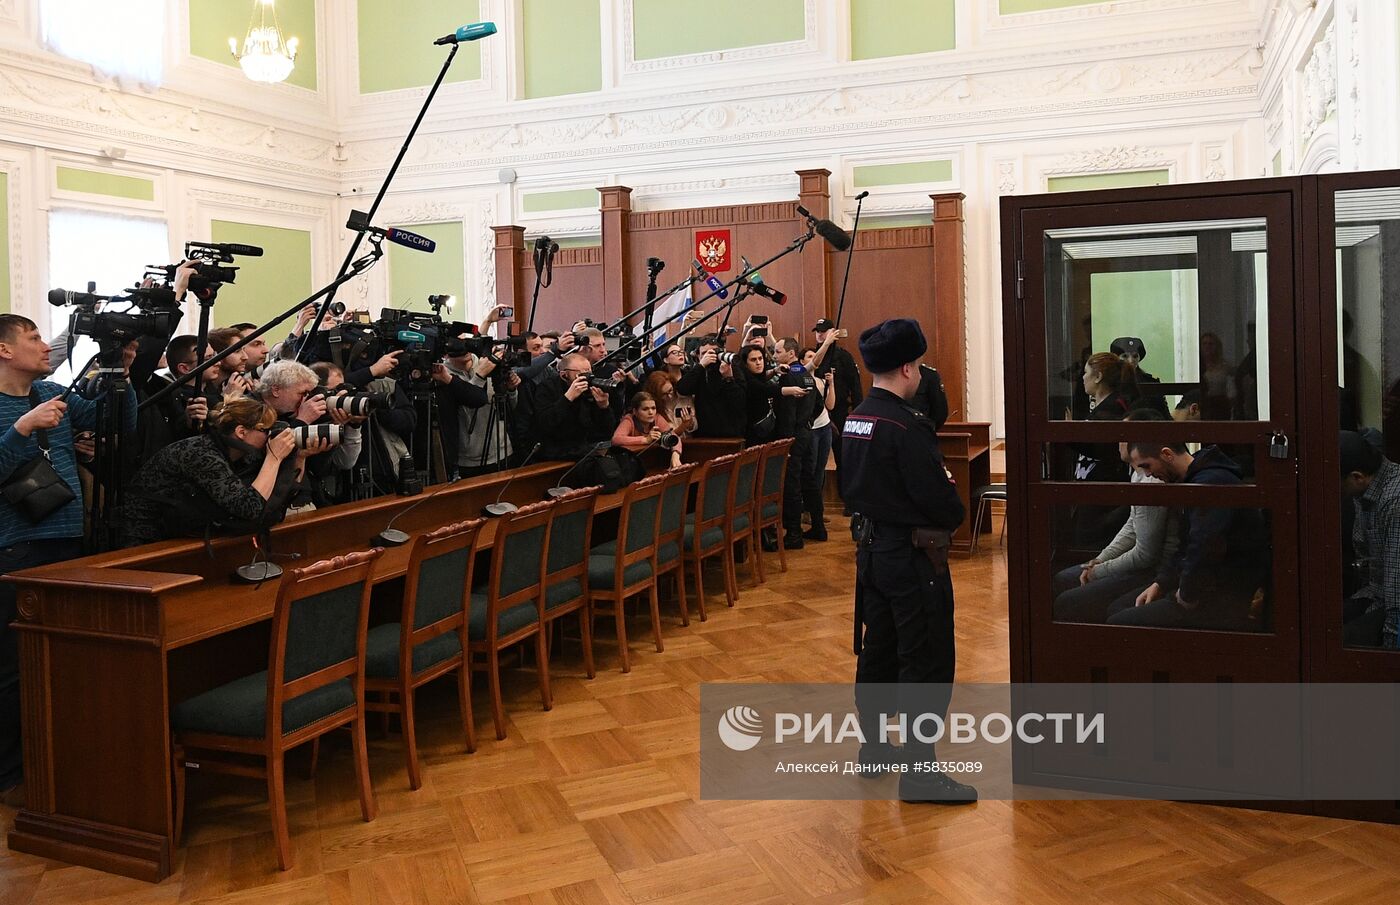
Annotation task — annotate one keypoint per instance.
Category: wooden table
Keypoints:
(967, 453)
(109, 642)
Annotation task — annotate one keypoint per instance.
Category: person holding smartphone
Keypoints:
(840, 366)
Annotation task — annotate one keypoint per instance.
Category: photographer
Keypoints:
(643, 426)
(570, 416)
(720, 398)
(475, 436)
(288, 387)
(33, 419)
(256, 351)
(796, 408)
(207, 482)
(178, 415)
(221, 339)
(761, 394)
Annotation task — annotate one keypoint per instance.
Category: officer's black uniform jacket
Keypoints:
(892, 471)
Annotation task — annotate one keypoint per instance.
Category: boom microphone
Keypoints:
(758, 287)
(229, 248)
(716, 287)
(863, 195)
(61, 297)
(474, 32)
(834, 235)
(498, 508)
(407, 239)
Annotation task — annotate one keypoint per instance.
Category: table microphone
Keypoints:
(558, 490)
(497, 509)
(256, 572)
(393, 537)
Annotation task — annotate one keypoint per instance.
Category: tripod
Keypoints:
(495, 439)
(109, 387)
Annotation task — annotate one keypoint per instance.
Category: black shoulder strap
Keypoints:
(41, 436)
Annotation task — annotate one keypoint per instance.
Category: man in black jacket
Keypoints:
(569, 417)
(719, 398)
(839, 362)
(795, 412)
(1222, 559)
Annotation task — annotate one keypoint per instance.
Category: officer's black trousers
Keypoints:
(907, 610)
(801, 489)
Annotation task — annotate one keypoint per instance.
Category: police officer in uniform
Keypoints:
(906, 510)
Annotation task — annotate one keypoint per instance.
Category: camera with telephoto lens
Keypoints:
(355, 404)
(668, 440)
(733, 359)
(606, 384)
(151, 311)
(307, 435)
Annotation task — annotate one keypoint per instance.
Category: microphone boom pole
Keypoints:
(855, 229)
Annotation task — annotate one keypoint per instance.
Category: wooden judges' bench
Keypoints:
(109, 643)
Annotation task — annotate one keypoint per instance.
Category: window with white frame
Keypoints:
(111, 250)
(120, 38)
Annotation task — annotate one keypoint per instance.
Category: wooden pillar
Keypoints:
(814, 193)
(615, 203)
(950, 300)
(510, 286)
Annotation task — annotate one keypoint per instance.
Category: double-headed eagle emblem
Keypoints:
(713, 251)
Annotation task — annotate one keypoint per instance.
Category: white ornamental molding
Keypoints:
(561, 229)
(632, 66)
(15, 177)
(1006, 177)
(1319, 85)
(8, 10)
(1119, 158)
(486, 239)
(1354, 74)
(1214, 169)
(423, 212)
(779, 180)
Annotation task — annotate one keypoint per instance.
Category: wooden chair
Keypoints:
(437, 595)
(768, 501)
(510, 608)
(709, 527)
(314, 683)
(743, 493)
(566, 568)
(670, 535)
(630, 568)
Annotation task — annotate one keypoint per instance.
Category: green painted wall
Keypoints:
(1011, 7)
(563, 47)
(903, 173)
(670, 28)
(72, 179)
(1278, 164)
(891, 28)
(572, 199)
(396, 37)
(213, 22)
(268, 285)
(1107, 181)
(580, 241)
(4, 243)
(1137, 303)
(896, 222)
(413, 276)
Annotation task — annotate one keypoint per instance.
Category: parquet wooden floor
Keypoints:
(598, 802)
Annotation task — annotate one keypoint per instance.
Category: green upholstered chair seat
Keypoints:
(601, 568)
(665, 553)
(770, 510)
(741, 522)
(708, 539)
(508, 621)
(382, 651)
(562, 593)
(240, 707)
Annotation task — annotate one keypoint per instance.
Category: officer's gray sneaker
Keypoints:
(934, 788)
(878, 759)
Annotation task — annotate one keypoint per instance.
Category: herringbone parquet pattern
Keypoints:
(598, 802)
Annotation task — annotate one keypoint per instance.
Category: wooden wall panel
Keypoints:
(576, 293)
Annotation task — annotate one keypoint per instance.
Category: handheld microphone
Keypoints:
(834, 235)
(710, 279)
(558, 490)
(758, 287)
(406, 239)
(474, 32)
(497, 509)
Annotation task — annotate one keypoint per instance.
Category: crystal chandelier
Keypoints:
(266, 55)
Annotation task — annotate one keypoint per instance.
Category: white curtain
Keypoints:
(111, 250)
(121, 38)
